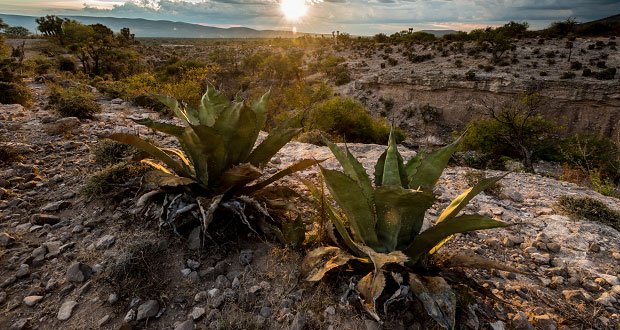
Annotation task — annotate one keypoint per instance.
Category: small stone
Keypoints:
(554, 247)
(2, 297)
(498, 325)
(201, 296)
(236, 284)
(148, 309)
(545, 322)
(594, 247)
(606, 300)
(185, 271)
(23, 271)
(32, 300)
(45, 219)
(102, 321)
(193, 240)
(589, 285)
(192, 264)
(213, 293)
(105, 242)
(112, 298)
(540, 259)
(130, 316)
(265, 312)
(78, 272)
(65, 311)
(575, 296)
(245, 257)
(520, 322)
(616, 290)
(556, 281)
(187, 325)
(208, 274)
(371, 325)
(6, 240)
(222, 282)
(611, 279)
(615, 255)
(197, 313)
(55, 206)
(19, 324)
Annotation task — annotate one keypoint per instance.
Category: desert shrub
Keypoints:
(470, 75)
(591, 209)
(550, 54)
(150, 102)
(607, 74)
(72, 102)
(587, 72)
(576, 65)
(488, 68)
(420, 58)
(113, 176)
(113, 88)
(311, 137)
(543, 73)
(65, 63)
(108, 152)
(473, 177)
(15, 93)
(382, 65)
(347, 120)
(590, 151)
(568, 75)
(42, 65)
(601, 65)
(458, 63)
(392, 61)
(334, 67)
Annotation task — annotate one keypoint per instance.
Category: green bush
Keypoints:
(112, 176)
(347, 120)
(568, 75)
(591, 209)
(470, 75)
(73, 102)
(114, 89)
(15, 93)
(65, 63)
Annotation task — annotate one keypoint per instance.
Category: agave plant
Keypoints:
(217, 142)
(382, 225)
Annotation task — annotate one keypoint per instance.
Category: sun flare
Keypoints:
(293, 9)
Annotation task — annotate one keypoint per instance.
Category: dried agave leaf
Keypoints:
(322, 260)
(163, 179)
(469, 259)
(436, 296)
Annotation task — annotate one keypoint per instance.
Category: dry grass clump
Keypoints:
(112, 177)
(591, 209)
(108, 152)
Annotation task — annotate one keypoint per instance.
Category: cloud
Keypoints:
(353, 16)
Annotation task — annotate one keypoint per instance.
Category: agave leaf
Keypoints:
(461, 201)
(155, 165)
(260, 110)
(351, 167)
(431, 167)
(400, 214)
(237, 126)
(207, 150)
(392, 166)
(429, 239)
(334, 217)
(261, 155)
(299, 166)
(359, 211)
(211, 105)
(437, 297)
(412, 165)
(294, 232)
(173, 130)
(174, 105)
(191, 113)
(379, 167)
(163, 179)
(321, 260)
(469, 259)
(151, 149)
(240, 175)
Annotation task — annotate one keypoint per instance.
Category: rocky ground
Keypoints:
(73, 262)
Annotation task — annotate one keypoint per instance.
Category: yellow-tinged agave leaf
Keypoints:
(429, 239)
(177, 153)
(334, 217)
(437, 297)
(151, 149)
(469, 259)
(154, 165)
(323, 259)
(359, 210)
(166, 179)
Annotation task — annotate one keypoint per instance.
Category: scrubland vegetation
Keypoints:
(220, 165)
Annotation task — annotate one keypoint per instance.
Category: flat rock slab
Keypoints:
(65, 311)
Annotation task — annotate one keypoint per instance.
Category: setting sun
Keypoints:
(293, 9)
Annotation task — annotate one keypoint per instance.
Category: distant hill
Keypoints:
(152, 29)
(439, 33)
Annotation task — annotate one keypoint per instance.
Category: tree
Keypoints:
(51, 26)
(16, 31)
(514, 128)
(496, 39)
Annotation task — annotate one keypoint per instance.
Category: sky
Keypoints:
(357, 17)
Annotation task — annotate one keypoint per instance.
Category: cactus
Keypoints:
(384, 222)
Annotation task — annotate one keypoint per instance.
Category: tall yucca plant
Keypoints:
(382, 224)
(217, 144)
